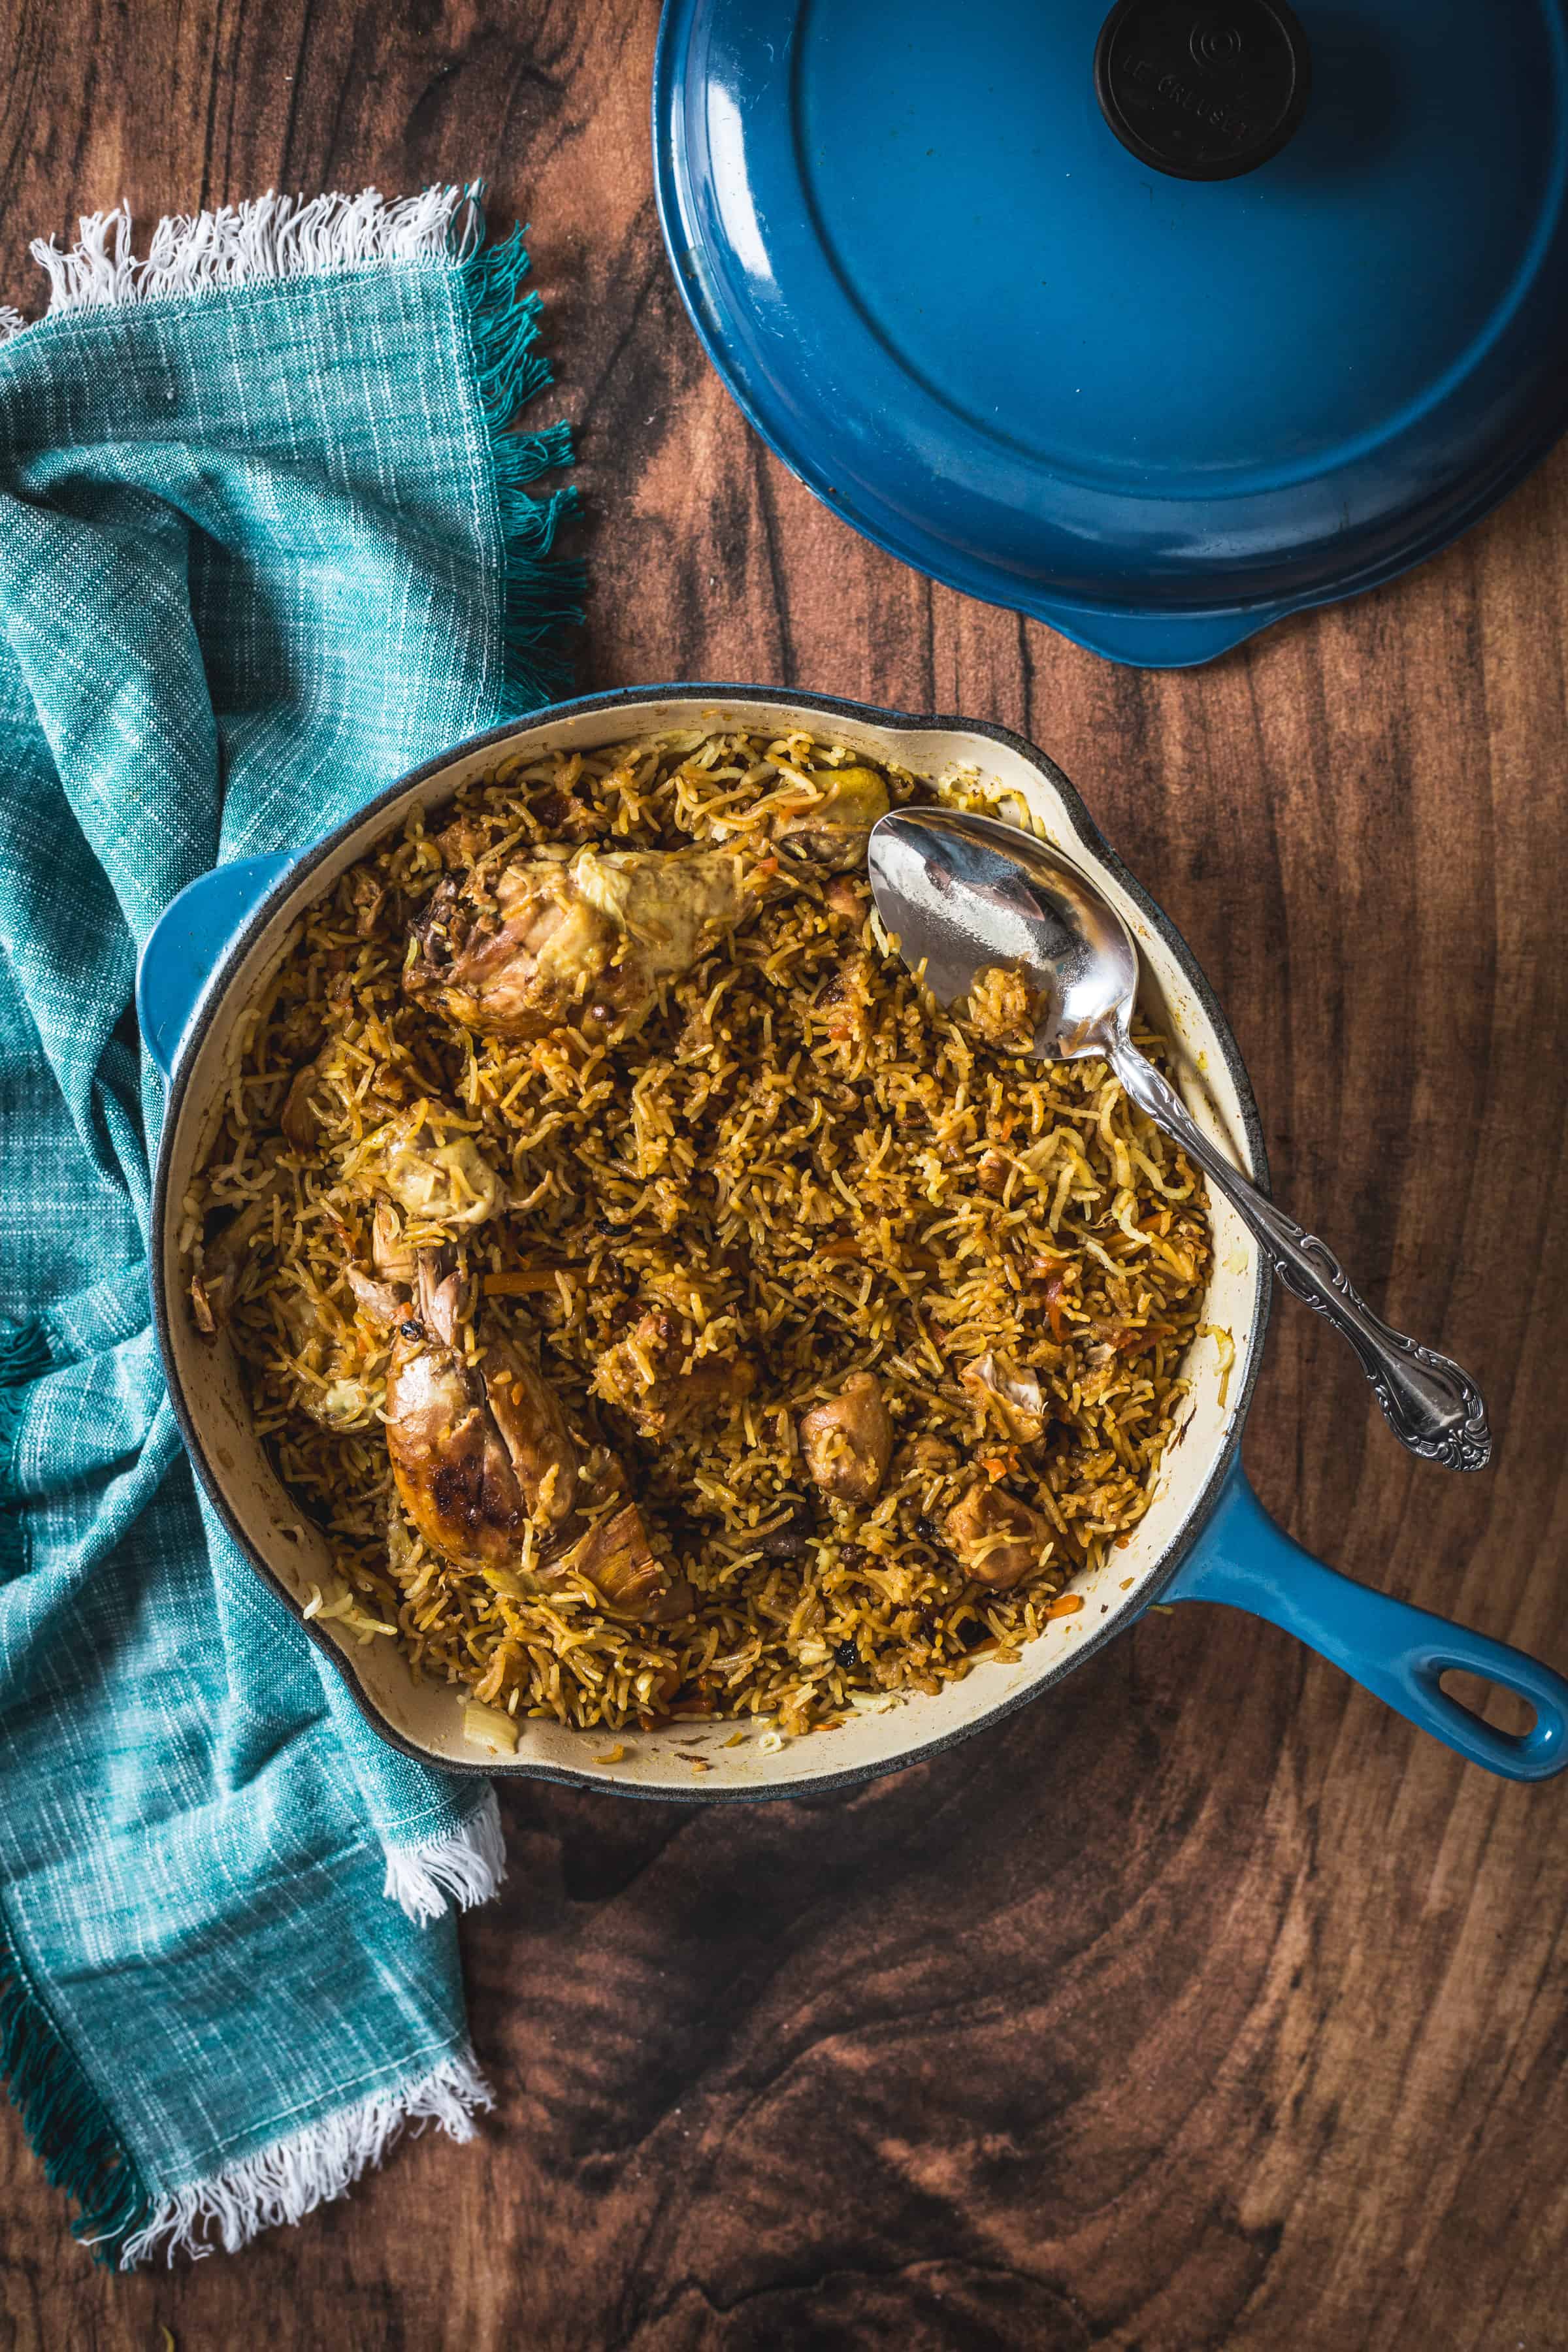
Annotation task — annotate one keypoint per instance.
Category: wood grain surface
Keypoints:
(1206, 2004)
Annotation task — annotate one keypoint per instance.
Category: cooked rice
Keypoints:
(803, 1158)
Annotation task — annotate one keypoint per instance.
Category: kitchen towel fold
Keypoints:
(266, 542)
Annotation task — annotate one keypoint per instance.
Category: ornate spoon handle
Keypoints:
(1431, 1404)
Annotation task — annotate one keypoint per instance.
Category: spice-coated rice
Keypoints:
(806, 1164)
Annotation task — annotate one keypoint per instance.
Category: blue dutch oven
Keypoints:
(1204, 1539)
(1157, 325)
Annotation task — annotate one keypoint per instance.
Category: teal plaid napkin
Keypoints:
(264, 544)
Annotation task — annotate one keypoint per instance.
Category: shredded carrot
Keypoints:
(519, 1286)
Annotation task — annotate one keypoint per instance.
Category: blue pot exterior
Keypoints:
(190, 942)
(1230, 1551)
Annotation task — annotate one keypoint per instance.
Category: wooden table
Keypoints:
(1205, 2004)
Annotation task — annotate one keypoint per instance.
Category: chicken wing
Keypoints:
(478, 1450)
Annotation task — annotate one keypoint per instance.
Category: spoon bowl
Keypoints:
(967, 893)
(962, 894)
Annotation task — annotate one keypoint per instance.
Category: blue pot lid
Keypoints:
(973, 293)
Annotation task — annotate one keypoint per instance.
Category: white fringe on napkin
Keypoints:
(271, 237)
(289, 2180)
(466, 1866)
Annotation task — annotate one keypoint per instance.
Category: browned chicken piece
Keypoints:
(644, 1376)
(614, 1555)
(477, 1450)
(847, 1442)
(847, 998)
(847, 898)
(382, 1304)
(1009, 1396)
(933, 1457)
(831, 831)
(589, 940)
(300, 1118)
(992, 1171)
(449, 1184)
(462, 842)
(1004, 1010)
(527, 1412)
(998, 1539)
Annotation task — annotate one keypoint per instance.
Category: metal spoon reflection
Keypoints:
(964, 894)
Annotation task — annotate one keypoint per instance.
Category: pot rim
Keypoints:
(215, 995)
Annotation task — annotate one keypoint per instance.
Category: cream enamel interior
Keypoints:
(428, 1716)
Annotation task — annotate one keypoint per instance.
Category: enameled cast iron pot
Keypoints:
(1205, 1537)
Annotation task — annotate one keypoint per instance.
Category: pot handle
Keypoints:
(1391, 1648)
(187, 943)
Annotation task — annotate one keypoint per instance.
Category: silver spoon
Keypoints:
(964, 894)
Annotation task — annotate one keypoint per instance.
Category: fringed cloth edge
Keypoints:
(280, 236)
(76, 2141)
(271, 237)
(310, 2167)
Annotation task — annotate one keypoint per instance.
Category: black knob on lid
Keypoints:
(1201, 92)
